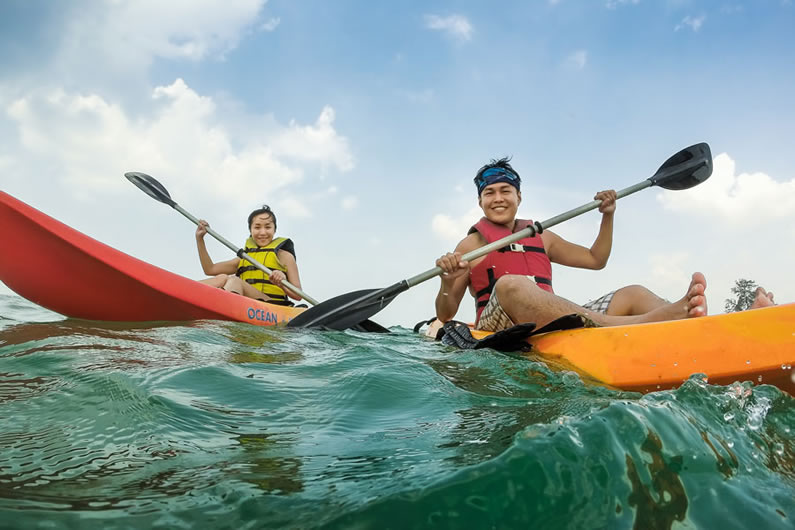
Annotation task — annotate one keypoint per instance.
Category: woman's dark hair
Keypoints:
(259, 211)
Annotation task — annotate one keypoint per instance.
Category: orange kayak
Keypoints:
(97, 282)
(756, 345)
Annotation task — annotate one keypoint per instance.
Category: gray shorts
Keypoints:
(494, 317)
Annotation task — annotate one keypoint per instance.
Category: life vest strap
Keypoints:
(516, 247)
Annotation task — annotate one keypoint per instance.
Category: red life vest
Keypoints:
(526, 257)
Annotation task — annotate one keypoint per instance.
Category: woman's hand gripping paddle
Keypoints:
(157, 191)
(687, 168)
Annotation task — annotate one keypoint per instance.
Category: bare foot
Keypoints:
(695, 298)
(692, 304)
(762, 299)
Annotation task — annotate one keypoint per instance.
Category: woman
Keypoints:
(240, 276)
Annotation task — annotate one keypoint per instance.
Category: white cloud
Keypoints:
(421, 96)
(457, 26)
(731, 9)
(451, 229)
(613, 4)
(93, 142)
(271, 24)
(349, 203)
(577, 59)
(693, 23)
(670, 270)
(129, 34)
(747, 199)
(295, 207)
(316, 143)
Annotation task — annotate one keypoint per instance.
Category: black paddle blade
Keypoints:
(687, 168)
(346, 310)
(150, 186)
(368, 326)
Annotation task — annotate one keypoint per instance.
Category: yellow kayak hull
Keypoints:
(756, 345)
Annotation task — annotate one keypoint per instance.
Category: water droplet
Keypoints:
(759, 378)
(676, 364)
(729, 416)
(779, 449)
(730, 444)
(748, 361)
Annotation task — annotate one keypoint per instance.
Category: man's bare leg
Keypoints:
(762, 299)
(524, 301)
(634, 300)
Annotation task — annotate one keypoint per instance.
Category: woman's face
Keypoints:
(262, 229)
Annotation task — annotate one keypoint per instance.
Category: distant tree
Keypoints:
(743, 291)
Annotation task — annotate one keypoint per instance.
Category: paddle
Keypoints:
(157, 191)
(687, 168)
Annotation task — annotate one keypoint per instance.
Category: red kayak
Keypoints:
(97, 282)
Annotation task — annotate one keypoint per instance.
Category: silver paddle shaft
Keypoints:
(530, 231)
(242, 254)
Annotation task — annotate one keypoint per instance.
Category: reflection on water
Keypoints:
(213, 424)
(664, 500)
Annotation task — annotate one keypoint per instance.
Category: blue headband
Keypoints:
(497, 174)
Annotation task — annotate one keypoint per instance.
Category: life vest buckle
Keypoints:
(516, 247)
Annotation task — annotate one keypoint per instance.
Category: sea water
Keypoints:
(226, 425)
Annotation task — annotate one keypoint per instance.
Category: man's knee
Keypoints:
(511, 284)
(633, 290)
(633, 300)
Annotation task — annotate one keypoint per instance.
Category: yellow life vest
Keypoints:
(266, 255)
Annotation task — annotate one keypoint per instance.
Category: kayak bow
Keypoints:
(98, 282)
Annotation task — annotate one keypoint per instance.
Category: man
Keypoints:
(514, 284)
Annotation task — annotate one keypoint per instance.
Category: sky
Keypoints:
(363, 123)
